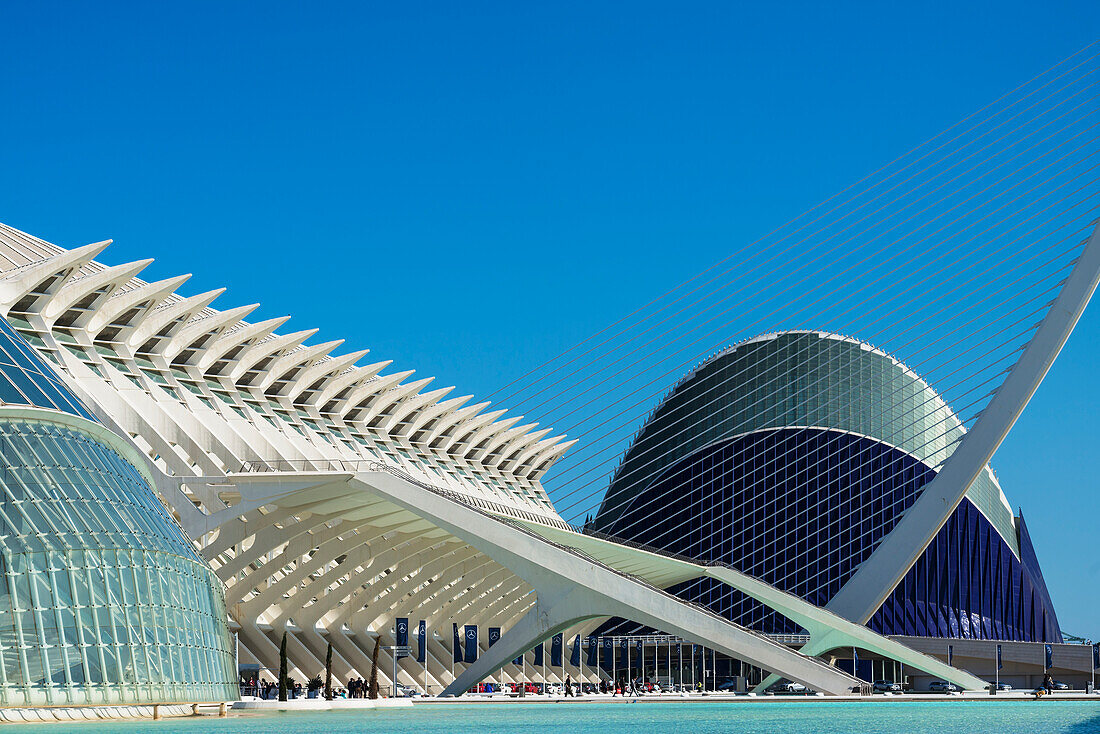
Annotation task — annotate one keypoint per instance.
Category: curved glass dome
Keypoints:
(103, 599)
(790, 457)
(26, 380)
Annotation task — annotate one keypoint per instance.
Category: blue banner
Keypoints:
(1000, 663)
(471, 643)
(622, 653)
(518, 661)
(1050, 657)
(575, 656)
(456, 645)
(607, 658)
(538, 655)
(855, 662)
(1096, 656)
(590, 660)
(494, 635)
(556, 644)
(640, 659)
(402, 635)
(422, 641)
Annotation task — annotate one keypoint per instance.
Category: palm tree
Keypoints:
(282, 669)
(328, 673)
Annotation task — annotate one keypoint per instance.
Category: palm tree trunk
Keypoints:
(282, 669)
(374, 670)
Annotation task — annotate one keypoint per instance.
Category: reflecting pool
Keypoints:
(1017, 717)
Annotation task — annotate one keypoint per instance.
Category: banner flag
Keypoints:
(556, 644)
(950, 654)
(608, 657)
(538, 655)
(575, 655)
(1096, 656)
(590, 660)
(402, 635)
(456, 649)
(855, 663)
(471, 643)
(1050, 657)
(422, 641)
(622, 653)
(518, 661)
(641, 656)
(1000, 664)
(494, 635)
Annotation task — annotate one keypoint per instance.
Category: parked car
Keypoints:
(404, 691)
(942, 686)
(1002, 686)
(787, 687)
(886, 686)
(1060, 686)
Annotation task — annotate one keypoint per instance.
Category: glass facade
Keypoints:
(798, 498)
(26, 380)
(103, 599)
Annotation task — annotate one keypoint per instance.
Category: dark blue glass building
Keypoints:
(790, 457)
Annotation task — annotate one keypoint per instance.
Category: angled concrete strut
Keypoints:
(572, 587)
(887, 565)
(827, 630)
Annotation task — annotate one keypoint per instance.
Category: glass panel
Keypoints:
(130, 605)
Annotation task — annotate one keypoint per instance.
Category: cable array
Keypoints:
(944, 260)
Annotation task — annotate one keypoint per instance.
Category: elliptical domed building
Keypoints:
(790, 457)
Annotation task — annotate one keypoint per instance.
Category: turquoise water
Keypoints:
(1025, 717)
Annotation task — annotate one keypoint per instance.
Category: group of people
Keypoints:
(265, 689)
(358, 688)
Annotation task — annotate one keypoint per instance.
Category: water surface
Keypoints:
(1023, 717)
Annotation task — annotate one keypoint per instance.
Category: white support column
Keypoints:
(876, 577)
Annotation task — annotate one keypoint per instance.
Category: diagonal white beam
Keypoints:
(877, 577)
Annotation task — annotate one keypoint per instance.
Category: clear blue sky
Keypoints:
(470, 188)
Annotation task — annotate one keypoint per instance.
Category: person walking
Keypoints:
(568, 685)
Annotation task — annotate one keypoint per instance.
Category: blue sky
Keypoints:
(469, 189)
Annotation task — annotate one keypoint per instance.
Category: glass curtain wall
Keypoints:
(102, 597)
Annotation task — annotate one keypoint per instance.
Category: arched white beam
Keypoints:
(292, 360)
(226, 338)
(267, 349)
(158, 321)
(318, 374)
(448, 420)
(386, 400)
(18, 283)
(144, 297)
(77, 289)
(205, 331)
(361, 393)
(414, 404)
(459, 441)
(347, 381)
(431, 412)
